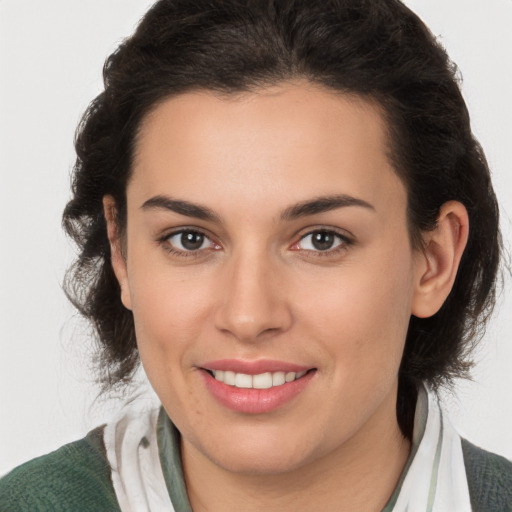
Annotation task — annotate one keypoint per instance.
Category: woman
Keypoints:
(282, 211)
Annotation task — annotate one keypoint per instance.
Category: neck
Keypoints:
(360, 475)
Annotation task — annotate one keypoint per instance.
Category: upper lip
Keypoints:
(254, 367)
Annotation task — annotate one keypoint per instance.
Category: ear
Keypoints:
(437, 263)
(116, 251)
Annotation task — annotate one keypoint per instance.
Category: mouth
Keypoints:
(266, 380)
(256, 387)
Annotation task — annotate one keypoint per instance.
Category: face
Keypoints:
(270, 273)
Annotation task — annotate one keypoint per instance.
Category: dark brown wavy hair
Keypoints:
(379, 50)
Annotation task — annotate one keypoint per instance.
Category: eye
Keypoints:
(321, 240)
(189, 241)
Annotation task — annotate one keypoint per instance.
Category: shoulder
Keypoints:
(489, 479)
(74, 477)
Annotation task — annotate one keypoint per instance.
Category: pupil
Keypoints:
(322, 240)
(192, 241)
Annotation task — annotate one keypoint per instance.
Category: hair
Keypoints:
(380, 51)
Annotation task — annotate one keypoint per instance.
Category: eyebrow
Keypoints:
(323, 204)
(182, 207)
(303, 209)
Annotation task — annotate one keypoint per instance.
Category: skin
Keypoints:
(258, 289)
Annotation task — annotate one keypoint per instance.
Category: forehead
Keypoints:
(294, 139)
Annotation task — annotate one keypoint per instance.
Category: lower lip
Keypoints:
(255, 401)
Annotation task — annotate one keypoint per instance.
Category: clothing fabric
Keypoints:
(134, 465)
(435, 475)
(74, 478)
(132, 452)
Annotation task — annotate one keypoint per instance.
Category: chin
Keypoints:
(260, 454)
(260, 464)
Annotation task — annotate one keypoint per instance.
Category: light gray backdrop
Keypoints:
(51, 55)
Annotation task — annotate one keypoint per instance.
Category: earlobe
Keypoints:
(438, 262)
(118, 260)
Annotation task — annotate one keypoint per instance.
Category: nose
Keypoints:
(253, 303)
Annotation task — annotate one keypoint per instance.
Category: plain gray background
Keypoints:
(51, 55)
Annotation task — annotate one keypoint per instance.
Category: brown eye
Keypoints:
(321, 240)
(189, 241)
(192, 241)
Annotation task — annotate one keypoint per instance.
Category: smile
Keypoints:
(265, 380)
(255, 387)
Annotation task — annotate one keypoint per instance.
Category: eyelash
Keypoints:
(165, 242)
(344, 243)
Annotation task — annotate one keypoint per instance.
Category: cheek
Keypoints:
(167, 325)
(361, 316)
(169, 309)
(360, 329)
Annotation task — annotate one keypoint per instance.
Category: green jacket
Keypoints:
(77, 478)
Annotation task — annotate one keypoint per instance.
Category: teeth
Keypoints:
(261, 381)
(278, 379)
(243, 381)
(229, 377)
